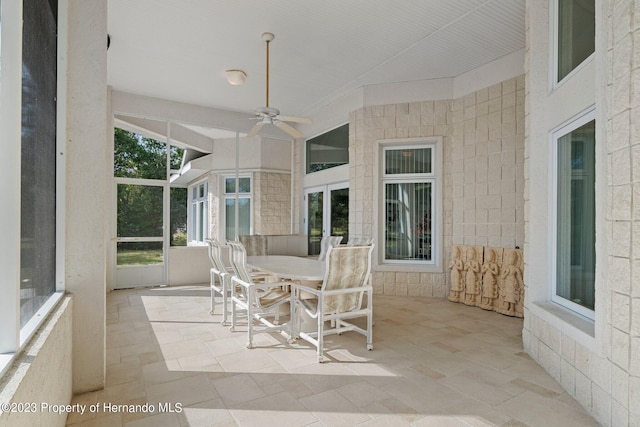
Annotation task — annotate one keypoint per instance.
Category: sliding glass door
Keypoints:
(326, 214)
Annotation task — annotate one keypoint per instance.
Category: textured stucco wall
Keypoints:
(87, 188)
(42, 373)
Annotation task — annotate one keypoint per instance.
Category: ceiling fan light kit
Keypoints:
(269, 115)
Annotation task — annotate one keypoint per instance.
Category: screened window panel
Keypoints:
(575, 268)
(38, 157)
(139, 253)
(576, 34)
(409, 227)
(140, 209)
(244, 217)
(136, 156)
(408, 161)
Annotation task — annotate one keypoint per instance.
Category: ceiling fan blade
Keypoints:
(295, 119)
(255, 129)
(288, 129)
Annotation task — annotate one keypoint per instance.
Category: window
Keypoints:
(33, 276)
(38, 170)
(199, 213)
(244, 206)
(575, 34)
(409, 191)
(328, 150)
(574, 210)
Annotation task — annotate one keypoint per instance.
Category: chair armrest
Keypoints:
(262, 285)
(348, 290)
(305, 288)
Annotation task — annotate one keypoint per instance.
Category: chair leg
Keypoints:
(369, 321)
(225, 290)
(320, 338)
(369, 331)
(249, 320)
(213, 293)
(233, 315)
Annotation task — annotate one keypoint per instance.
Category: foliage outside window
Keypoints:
(178, 216)
(328, 150)
(408, 184)
(574, 281)
(244, 206)
(575, 34)
(140, 205)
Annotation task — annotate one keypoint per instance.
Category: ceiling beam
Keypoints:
(146, 107)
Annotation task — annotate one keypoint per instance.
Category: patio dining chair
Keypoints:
(325, 243)
(260, 301)
(340, 298)
(254, 244)
(220, 278)
(359, 240)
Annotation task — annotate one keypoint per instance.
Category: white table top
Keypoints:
(288, 267)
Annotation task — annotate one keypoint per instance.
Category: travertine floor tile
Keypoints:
(434, 363)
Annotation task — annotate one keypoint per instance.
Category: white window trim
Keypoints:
(226, 196)
(12, 337)
(191, 221)
(436, 263)
(554, 84)
(567, 127)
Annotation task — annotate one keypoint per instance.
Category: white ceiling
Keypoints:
(323, 50)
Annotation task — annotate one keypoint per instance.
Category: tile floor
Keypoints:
(434, 363)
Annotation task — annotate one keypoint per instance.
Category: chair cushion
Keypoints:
(273, 296)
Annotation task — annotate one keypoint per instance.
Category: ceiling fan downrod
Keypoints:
(268, 38)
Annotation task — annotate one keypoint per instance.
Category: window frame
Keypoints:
(13, 338)
(193, 220)
(435, 178)
(232, 196)
(555, 135)
(555, 51)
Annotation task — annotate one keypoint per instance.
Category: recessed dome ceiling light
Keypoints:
(236, 77)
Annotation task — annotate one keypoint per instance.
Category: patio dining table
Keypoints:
(288, 267)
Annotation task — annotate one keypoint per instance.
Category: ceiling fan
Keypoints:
(269, 115)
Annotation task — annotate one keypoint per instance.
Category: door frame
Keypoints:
(119, 273)
(326, 205)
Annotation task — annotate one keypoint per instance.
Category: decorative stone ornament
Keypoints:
(487, 277)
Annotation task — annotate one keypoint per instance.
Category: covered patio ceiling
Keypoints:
(178, 50)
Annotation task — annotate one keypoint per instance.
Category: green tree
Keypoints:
(140, 207)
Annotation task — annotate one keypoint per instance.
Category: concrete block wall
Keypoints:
(272, 203)
(599, 368)
(482, 173)
(488, 166)
(621, 366)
